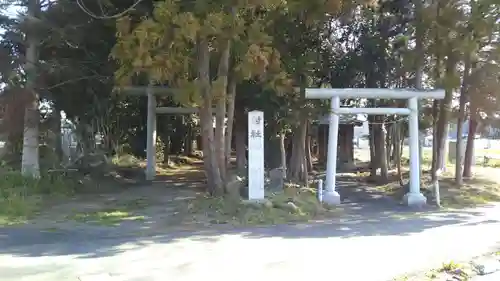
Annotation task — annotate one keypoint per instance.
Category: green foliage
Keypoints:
(164, 46)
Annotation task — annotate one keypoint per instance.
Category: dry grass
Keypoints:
(167, 209)
(294, 204)
(105, 217)
(160, 207)
(179, 169)
(448, 271)
(474, 192)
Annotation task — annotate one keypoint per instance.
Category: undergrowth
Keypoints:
(21, 197)
(290, 205)
(125, 160)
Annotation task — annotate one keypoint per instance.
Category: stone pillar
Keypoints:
(414, 197)
(330, 195)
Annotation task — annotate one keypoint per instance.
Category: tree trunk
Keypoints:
(220, 119)
(188, 144)
(210, 158)
(460, 122)
(176, 140)
(231, 96)
(166, 149)
(435, 138)
(469, 150)
(398, 139)
(305, 170)
(381, 153)
(435, 107)
(419, 62)
(373, 153)
(444, 113)
(297, 163)
(309, 161)
(283, 153)
(30, 158)
(58, 133)
(350, 147)
(322, 142)
(389, 138)
(240, 142)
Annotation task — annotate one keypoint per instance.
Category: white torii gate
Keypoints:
(414, 197)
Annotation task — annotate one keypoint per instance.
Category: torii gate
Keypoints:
(151, 92)
(414, 197)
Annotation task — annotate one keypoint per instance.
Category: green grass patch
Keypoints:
(291, 205)
(21, 197)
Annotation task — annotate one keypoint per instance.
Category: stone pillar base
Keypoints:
(414, 199)
(331, 197)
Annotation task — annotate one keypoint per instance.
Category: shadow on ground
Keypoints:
(365, 212)
(371, 221)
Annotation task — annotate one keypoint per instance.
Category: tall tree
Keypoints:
(30, 157)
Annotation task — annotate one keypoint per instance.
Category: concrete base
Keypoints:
(414, 199)
(331, 197)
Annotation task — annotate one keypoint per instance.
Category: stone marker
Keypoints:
(276, 179)
(255, 155)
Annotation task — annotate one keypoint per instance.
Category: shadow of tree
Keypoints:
(362, 222)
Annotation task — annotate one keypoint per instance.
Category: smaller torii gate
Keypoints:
(151, 92)
(414, 197)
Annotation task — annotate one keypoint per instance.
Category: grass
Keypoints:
(21, 198)
(481, 158)
(452, 270)
(126, 161)
(473, 192)
(110, 217)
(450, 266)
(135, 204)
(113, 216)
(294, 204)
(448, 271)
(179, 167)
